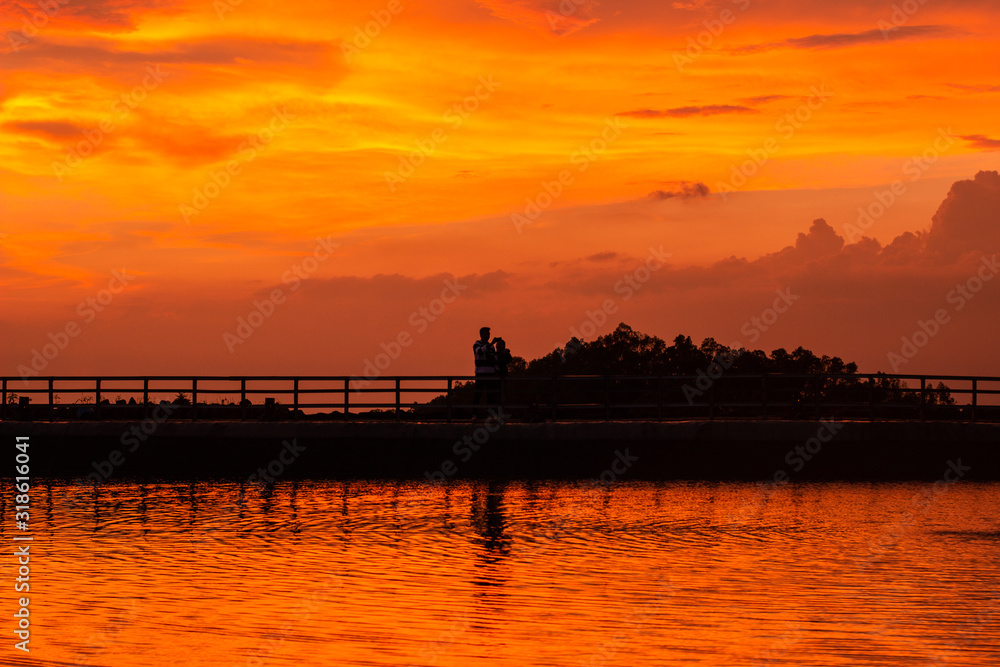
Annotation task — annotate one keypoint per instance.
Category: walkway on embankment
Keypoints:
(759, 450)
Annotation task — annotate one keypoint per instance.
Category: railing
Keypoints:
(447, 397)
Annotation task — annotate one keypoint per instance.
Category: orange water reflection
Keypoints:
(513, 574)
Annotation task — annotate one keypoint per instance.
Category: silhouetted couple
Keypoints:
(492, 361)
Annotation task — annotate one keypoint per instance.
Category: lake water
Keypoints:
(386, 573)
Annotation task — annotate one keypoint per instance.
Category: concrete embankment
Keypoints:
(752, 450)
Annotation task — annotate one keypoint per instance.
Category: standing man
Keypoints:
(486, 369)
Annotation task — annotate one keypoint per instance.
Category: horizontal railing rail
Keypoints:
(579, 397)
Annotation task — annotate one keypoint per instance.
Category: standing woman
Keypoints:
(503, 362)
(486, 370)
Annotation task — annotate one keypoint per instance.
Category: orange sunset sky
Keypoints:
(527, 153)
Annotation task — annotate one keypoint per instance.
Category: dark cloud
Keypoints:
(602, 257)
(964, 229)
(107, 14)
(967, 219)
(50, 129)
(551, 16)
(116, 13)
(242, 52)
(685, 190)
(843, 40)
(981, 142)
(683, 112)
(819, 242)
(763, 99)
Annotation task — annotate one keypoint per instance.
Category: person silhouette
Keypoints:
(486, 369)
(504, 357)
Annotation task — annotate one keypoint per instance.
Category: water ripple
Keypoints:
(392, 573)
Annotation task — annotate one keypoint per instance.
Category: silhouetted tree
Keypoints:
(798, 380)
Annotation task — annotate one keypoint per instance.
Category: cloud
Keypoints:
(854, 300)
(684, 112)
(964, 228)
(106, 14)
(105, 54)
(396, 286)
(980, 88)
(686, 190)
(245, 239)
(553, 16)
(967, 219)
(763, 99)
(821, 241)
(187, 144)
(981, 142)
(691, 5)
(843, 40)
(49, 129)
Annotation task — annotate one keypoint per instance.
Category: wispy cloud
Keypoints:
(980, 88)
(684, 112)
(557, 18)
(684, 190)
(50, 129)
(981, 142)
(763, 99)
(847, 39)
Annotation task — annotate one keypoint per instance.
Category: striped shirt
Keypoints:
(486, 358)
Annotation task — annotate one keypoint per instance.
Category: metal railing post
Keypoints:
(52, 393)
(448, 415)
(97, 397)
(243, 398)
(194, 399)
(295, 398)
(145, 397)
(3, 405)
(871, 398)
(923, 399)
(347, 394)
(397, 399)
(974, 389)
